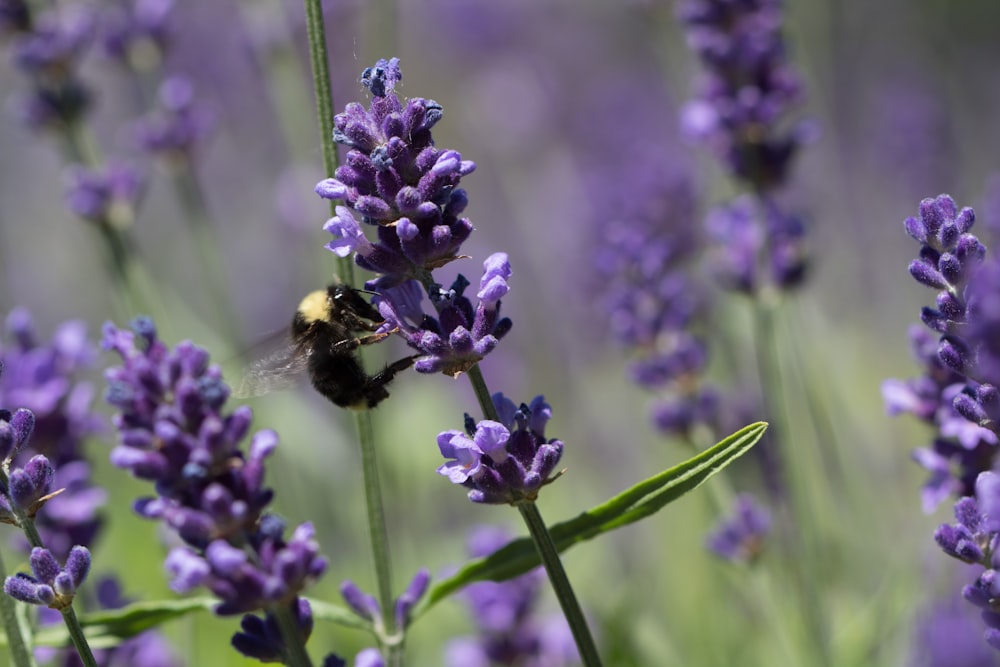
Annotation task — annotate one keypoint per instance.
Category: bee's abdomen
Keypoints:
(342, 380)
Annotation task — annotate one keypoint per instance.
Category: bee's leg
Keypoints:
(349, 344)
(375, 391)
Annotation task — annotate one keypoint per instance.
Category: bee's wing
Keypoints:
(282, 368)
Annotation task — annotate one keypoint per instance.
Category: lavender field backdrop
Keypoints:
(635, 301)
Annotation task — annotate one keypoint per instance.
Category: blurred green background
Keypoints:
(558, 103)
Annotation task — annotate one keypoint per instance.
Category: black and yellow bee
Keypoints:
(326, 332)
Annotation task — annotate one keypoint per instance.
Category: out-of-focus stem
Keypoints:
(19, 648)
(296, 650)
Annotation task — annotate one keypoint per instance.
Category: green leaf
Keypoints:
(108, 628)
(337, 614)
(638, 502)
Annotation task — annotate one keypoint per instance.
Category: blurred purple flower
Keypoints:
(179, 125)
(747, 87)
(106, 194)
(508, 629)
(136, 32)
(753, 244)
(949, 634)
(47, 52)
(740, 537)
(44, 379)
(15, 17)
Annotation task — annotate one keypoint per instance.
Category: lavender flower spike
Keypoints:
(174, 431)
(503, 462)
(746, 89)
(395, 178)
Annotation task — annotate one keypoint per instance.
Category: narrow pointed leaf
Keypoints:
(635, 503)
(108, 628)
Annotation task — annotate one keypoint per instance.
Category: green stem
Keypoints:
(79, 640)
(377, 529)
(482, 394)
(324, 105)
(773, 393)
(362, 420)
(27, 525)
(321, 82)
(294, 645)
(207, 243)
(20, 649)
(560, 584)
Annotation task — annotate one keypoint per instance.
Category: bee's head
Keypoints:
(347, 304)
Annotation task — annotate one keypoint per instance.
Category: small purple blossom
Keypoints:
(180, 124)
(106, 195)
(503, 462)
(48, 53)
(137, 32)
(52, 585)
(974, 539)
(752, 246)
(367, 607)
(462, 334)
(740, 537)
(369, 657)
(15, 431)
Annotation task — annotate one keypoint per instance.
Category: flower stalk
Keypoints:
(560, 583)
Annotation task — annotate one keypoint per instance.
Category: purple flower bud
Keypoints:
(954, 353)
(26, 589)
(363, 604)
(261, 639)
(369, 657)
(30, 483)
(410, 597)
(928, 275)
(969, 408)
(187, 569)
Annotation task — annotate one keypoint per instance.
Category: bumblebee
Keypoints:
(326, 332)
